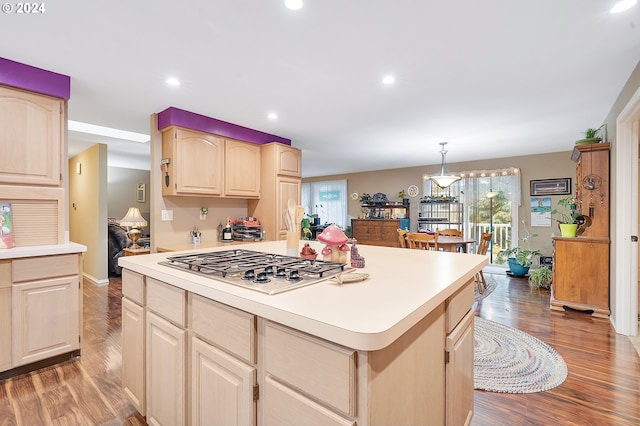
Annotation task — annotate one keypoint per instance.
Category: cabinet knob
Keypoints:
(634, 238)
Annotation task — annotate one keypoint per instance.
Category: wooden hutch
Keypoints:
(581, 264)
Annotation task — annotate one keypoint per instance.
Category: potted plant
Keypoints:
(541, 277)
(402, 194)
(568, 216)
(521, 257)
(590, 136)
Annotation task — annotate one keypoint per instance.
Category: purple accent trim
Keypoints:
(34, 79)
(178, 117)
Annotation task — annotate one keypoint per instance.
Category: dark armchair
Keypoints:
(118, 241)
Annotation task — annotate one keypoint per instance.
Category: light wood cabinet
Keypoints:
(197, 162)
(46, 307)
(459, 373)
(165, 371)
(280, 181)
(5, 314)
(221, 387)
(133, 354)
(241, 169)
(31, 138)
(45, 319)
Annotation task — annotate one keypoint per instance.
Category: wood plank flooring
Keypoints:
(603, 386)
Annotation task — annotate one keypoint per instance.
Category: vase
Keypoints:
(517, 269)
(568, 230)
(588, 141)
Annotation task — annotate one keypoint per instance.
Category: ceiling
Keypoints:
(494, 78)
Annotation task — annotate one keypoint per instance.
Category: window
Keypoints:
(482, 213)
(327, 199)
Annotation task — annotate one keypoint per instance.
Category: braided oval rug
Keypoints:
(511, 361)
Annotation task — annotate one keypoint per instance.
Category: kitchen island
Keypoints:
(394, 349)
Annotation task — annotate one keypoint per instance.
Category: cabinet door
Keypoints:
(459, 373)
(197, 162)
(289, 161)
(45, 319)
(165, 372)
(133, 353)
(288, 188)
(242, 169)
(221, 387)
(31, 138)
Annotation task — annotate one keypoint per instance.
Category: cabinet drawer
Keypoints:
(458, 305)
(37, 268)
(133, 286)
(320, 369)
(284, 406)
(224, 326)
(167, 300)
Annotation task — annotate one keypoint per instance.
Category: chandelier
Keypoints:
(443, 180)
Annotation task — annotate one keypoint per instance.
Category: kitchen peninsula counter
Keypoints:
(394, 349)
(404, 286)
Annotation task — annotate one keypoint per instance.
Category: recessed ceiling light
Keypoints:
(173, 81)
(110, 132)
(623, 5)
(389, 79)
(272, 116)
(293, 4)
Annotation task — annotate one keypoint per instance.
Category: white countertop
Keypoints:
(404, 286)
(32, 251)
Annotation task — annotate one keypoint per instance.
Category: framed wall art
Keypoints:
(551, 186)
(141, 190)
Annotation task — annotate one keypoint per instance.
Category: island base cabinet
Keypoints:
(221, 387)
(166, 351)
(459, 373)
(5, 328)
(133, 354)
(45, 319)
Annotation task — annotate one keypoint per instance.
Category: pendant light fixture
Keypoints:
(443, 180)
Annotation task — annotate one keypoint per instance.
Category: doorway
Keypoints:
(624, 275)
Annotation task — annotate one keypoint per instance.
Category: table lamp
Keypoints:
(134, 221)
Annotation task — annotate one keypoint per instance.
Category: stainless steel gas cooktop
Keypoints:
(265, 272)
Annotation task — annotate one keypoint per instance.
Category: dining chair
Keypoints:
(483, 246)
(402, 237)
(420, 240)
(451, 232)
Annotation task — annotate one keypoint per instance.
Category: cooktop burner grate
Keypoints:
(265, 272)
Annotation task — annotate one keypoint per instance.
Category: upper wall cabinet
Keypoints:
(31, 138)
(288, 160)
(196, 162)
(242, 169)
(203, 164)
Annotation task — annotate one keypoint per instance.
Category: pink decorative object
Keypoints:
(336, 244)
(357, 261)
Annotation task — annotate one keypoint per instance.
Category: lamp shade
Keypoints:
(443, 180)
(133, 218)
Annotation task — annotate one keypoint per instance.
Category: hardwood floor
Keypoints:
(603, 386)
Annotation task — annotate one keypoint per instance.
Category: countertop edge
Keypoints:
(34, 251)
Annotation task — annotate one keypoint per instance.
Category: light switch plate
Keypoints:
(167, 215)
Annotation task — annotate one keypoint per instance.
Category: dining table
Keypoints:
(452, 243)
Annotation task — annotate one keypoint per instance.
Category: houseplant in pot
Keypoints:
(590, 136)
(521, 257)
(567, 217)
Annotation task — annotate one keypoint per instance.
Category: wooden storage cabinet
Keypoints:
(581, 275)
(46, 307)
(242, 169)
(31, 138)
(378, 232)
(5, 314)
(280, 181)
(197, 162)
(133, 339)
